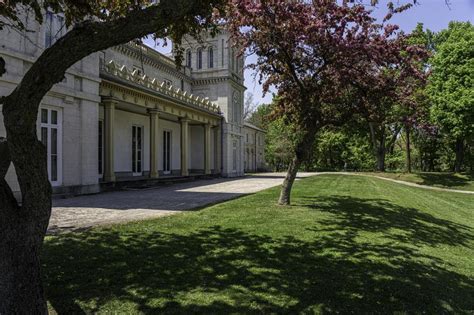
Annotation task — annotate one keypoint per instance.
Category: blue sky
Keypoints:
(434, 14)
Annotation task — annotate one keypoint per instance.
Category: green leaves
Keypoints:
(451, 85)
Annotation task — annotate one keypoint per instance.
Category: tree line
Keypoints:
(434, 133)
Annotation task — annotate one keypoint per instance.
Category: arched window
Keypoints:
(189, 58)
(199, 58)
(210, 54)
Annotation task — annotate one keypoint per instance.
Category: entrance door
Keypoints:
(166, 152)
(137, 148)
(51, 128)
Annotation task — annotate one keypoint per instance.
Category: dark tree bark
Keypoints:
(459, 155)
(302, 150)
(408, 148)
(20, 244)
(22, 228)
(378, 144)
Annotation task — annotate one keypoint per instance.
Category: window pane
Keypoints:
(54, 168)
(54, 141)
(54, 117)
(44, 116)
(44, 136)
(139, 136)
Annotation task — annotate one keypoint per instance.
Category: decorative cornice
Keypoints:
(123, 73)
(214, 80)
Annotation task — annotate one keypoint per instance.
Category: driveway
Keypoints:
(123, 206)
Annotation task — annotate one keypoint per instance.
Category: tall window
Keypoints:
(55, 28)
(51, 131)
(137, 156)
(211, 57)
(199, 58)
(189, 58)
(166, 152)
(101, 147)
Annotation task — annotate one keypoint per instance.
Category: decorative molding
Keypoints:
(123, 73)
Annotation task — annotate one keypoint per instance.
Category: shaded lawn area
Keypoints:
(464, 181)
(348, 244)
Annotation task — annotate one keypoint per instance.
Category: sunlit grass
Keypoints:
(348, 244)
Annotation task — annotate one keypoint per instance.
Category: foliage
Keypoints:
(451, 84)
(350, 244)
(279, 143)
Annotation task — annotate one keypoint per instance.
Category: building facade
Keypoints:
(127, 113)
(254, 152)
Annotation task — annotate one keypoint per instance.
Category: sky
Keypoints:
(434, 14)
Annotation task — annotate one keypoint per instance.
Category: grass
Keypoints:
(348, 244)
(464, 181)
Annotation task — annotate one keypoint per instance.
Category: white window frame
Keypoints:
(59, 127)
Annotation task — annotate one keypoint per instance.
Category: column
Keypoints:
(184, 146)
(207, 149)
(153, 142)
(109, 113)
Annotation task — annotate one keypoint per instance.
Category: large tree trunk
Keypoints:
(378, 144)
(380, 159)
(408, 149)
(459, 155)
(22, 228)
(21, 235)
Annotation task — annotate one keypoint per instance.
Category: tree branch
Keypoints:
(20, 108)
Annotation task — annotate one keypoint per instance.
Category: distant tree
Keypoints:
(249, 105)
(92, 26)
(451, 85)
(261, 116)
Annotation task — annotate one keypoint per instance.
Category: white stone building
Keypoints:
(254, 148)
(127, 114)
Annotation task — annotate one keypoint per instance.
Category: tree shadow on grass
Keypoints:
(223, 270)
(445, 179)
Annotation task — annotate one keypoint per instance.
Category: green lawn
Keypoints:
(349, 244)
(463, 181)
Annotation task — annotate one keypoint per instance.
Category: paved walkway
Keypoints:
(122, 206)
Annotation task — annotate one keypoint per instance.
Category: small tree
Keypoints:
(313, 53)
(451, 85)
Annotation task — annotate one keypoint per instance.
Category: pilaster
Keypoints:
(109, 161)
(184, 146)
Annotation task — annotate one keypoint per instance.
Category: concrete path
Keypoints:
(132, 205)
